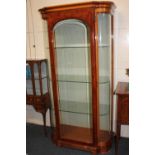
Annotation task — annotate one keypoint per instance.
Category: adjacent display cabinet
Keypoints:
(37, 87)
(122, 92)
(81, 57)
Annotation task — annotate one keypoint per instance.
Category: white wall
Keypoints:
(37, 34)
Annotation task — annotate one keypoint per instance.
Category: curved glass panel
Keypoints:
(72, 50)
(104, 46)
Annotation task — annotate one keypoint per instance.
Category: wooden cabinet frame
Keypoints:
(87, 13)
(41, 102)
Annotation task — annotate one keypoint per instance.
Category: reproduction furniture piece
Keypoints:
(37, 87)
(122, 92)
(81, 57)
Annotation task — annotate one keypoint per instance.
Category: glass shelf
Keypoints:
(79, 46)
(81, 79)
(44, 77)
(37, 78)
(104, 45)
(29, 86)
(81, 108)
(72, 46)
(29, 78)
(30, 91)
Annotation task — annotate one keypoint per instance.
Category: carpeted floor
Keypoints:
(38, 144)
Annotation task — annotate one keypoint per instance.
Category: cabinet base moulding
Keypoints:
(81, 138)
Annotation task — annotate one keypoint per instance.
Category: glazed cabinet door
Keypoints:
(73, 78)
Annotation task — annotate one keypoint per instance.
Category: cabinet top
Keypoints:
(107, 6)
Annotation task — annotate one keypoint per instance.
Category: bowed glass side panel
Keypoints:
(104, 48)
(72, 50)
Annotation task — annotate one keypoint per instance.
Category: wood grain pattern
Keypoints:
(80, 138)
(104, 7)
(41, 103)
(122, 92)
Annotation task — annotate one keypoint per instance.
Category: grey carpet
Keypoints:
(38, 144)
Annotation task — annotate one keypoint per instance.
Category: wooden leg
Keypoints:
(44, 120)
(117, 139)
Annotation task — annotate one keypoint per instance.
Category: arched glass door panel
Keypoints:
(72, 51)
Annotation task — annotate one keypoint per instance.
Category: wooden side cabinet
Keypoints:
(37, 87)
(122, 92)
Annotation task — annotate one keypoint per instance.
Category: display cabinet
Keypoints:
(37, 87)
(81, 58)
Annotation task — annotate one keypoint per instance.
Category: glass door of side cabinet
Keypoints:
(44, 77)
(104, 49)
(29, 86)
(36, 79)
(72, 52)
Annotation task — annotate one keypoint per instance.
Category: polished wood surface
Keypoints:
(99, 6)
(80, 138)
(76, 133)
(94, 141)
(122, 92)
(87, 16)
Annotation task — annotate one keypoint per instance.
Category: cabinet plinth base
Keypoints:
(81, 138)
